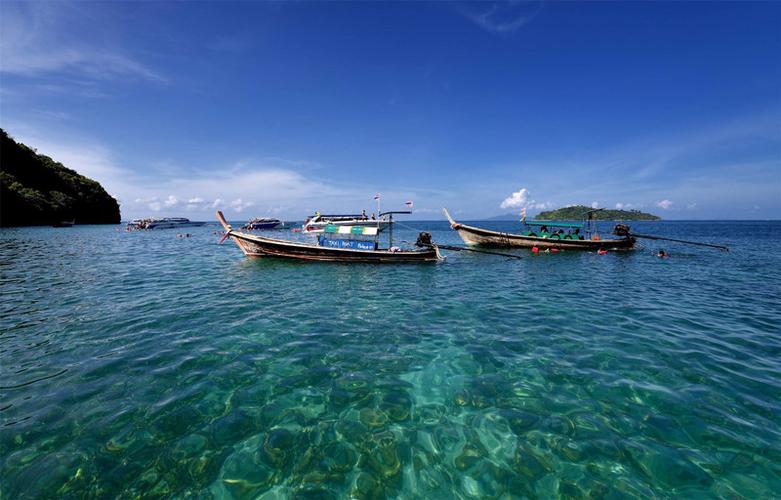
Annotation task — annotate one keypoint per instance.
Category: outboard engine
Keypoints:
(621, 230)
(424, 240)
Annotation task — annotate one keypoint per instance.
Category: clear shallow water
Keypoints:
(142, 363)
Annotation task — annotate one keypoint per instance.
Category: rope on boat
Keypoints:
(623, 230)
(464, 249)
(649, 237)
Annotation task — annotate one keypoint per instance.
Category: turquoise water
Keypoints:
(145, 364)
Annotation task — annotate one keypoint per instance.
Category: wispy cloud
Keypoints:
(43, 38)
(501, 18)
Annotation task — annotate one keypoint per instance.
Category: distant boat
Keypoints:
(317, 222)
(163, 223)
(262, 223)
(543, 235)
(344, 249)
(64, 223)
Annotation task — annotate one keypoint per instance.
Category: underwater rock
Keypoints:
(205, 468)
(249, 396)
(397, 405)
(244, 477)
(373, 417)
(233, 427)
(446, 438)
(571, 490)
(279, 447)
(431, 414)
(353, 432)
(568, 449)
(520, 421)
(559, 424)
(469, 456)
(530, 463)
(384, 460)
(340, 457)
(47, 477)
(367, 487)
(462, 398)
(314, 492)
(175, 423)
(190, 445)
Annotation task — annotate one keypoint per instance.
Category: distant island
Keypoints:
(35, 190)
(578, 212)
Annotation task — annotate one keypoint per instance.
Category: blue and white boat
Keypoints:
(262, 223)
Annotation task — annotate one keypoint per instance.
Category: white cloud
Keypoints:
(195, 201)
(664, 204)
(516, 200)
(217, 203)
(594, 204)
(239, 205)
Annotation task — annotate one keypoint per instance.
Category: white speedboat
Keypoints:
(262, 223)
(163, 223)
(318, 222)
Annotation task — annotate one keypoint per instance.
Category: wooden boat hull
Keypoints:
(485, 237)
(261, 246)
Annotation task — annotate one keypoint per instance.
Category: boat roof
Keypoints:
(345, 216)
(553, 223)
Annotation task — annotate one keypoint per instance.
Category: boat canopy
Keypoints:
(340, 216)
(553, 223)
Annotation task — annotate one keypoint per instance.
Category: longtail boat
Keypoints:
(564, 236)
(329, 249)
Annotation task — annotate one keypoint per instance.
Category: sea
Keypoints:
(144, 364)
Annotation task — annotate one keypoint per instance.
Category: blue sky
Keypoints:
(285, 108)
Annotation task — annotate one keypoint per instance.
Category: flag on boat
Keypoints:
(523, 215)
(409, 203)
(377, 196)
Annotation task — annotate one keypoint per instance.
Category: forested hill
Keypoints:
(36, 190)
(578, 212)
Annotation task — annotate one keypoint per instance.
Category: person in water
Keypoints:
(662, 254)
(544, 229)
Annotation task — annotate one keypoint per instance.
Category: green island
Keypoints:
(35, 190)
(578, 212)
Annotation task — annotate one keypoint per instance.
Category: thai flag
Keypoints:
(377, 196)
(409, 203)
